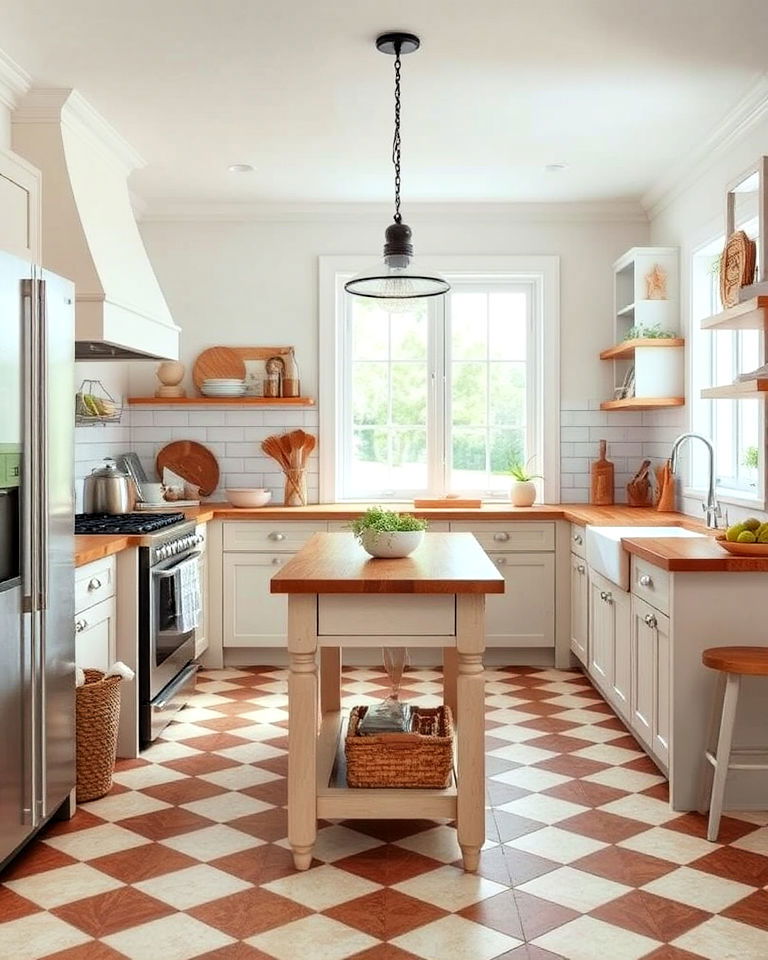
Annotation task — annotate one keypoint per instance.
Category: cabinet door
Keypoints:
(253, 617)
(95, 636)
(19, 208)
(524, 615)
(600, 635)
(621, 607)
(650, 678)
(579, 607)
(201, 634)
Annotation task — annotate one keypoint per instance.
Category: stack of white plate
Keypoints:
(223, 388)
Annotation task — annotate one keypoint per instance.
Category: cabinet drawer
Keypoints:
(282, 536)
(651, 584)
(94, 582)
(393, 616)
(510, 536)
(577, 540)
(95, 636)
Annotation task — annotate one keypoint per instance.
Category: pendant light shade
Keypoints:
(398, 277)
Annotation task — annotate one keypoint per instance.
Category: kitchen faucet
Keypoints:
(711, 508)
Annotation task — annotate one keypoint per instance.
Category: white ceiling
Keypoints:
(619, 90)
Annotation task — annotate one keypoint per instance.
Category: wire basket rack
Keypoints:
(95, 404)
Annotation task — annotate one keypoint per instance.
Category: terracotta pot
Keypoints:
(522, 493)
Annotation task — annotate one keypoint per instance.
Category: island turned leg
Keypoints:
(470, 723)
(302, 727)
(450, 670)
(330, 679)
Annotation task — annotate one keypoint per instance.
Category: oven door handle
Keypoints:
(172, 571)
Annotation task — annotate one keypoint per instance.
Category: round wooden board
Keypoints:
(744, 549)
(217, 363)
(192, 461)
(737, 267)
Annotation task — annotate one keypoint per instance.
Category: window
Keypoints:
(718, 357)
(438, 395)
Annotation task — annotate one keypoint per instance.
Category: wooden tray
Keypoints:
(192, 461)
(447, 503)
(743, 549)
(217, 363)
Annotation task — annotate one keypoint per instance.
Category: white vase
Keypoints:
(399, 543)
(522, 493)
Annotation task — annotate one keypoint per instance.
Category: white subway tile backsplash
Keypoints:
(288, 418)
(200, 434)
(171, 418)
(244, 418)
(205, 418)
(574, 434)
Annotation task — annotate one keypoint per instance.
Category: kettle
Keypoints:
(107, 489)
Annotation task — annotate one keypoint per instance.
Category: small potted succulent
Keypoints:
(523, 490)
(384, 533)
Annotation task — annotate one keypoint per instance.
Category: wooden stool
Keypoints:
(733, 663)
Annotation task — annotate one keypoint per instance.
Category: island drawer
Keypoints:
(394, 615)
(510, 536)
(281, 536)
(651, 584)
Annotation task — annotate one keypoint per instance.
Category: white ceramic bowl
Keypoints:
(398, 544)
(248, 496)
(222, 391)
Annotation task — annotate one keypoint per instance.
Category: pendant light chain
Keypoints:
(396, 140)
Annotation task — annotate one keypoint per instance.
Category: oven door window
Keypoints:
(169, 635)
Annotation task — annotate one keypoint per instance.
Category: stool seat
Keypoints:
(749, 661)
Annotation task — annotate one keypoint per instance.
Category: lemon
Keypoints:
(732, 533)
(746, 536)
(762, 536)
(751, 523)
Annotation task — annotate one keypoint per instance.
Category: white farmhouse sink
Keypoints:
(606, 555)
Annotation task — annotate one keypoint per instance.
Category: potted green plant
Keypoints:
(523, 490)
(385, 533)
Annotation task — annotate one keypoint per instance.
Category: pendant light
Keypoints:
(397, 277)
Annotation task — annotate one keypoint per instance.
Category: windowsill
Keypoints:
(733, 497)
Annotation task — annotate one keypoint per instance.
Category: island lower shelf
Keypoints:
(335, 800)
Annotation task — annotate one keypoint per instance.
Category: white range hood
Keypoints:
(88, 228)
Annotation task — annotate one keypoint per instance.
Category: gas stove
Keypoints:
(133, 523)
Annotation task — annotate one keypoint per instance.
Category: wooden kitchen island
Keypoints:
(339, 596)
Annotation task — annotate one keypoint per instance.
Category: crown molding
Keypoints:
(14, 82)
(158, 210)
(65, 106)
(749, 111)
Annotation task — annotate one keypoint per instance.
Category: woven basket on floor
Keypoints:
(98, 713)
(423, 758)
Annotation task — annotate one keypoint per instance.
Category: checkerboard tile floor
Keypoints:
(187, 857)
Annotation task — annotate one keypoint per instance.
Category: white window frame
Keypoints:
(543, 272)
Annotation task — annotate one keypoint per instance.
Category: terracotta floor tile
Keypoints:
(183, 791)
(268, 825)
(542, 707)
(82, 820)
(509, 825)
(225, 724)
(494, 865)
(12, 906)
(499, 912)
(142, 863)
(384, 951)
(278, 765)
(643, 764)
(202, 763)
(215, 741)
(258, 866)
(387, 864)
(538, 916)
(659, 791)
(651, 916)
(36, 857)
(547, 724)
(245, 914)
(668, 952)
(585, 792)
(113, 911)
(388, 831)
(385, 914)
(571, 766)
(525, 866)
(168, 822)
(274, 792)
(500, 793)
(235, 951)
(624, 866)
(695, 825)
(93, 950)
(529, 951)
(558, 743)
(752, 910)
(600, 825)
(739, 865)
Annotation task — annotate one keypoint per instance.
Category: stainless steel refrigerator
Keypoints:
(37, 645)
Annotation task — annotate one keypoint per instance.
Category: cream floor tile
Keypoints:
(183, 731)
(538, 806)
(250, 752)
(606, 753)
(531, 778)
(163, 750)
(722, 939)
(439, 843)
(698, 889)
(120, 806)
(575, 889)
(562, 675)
(214, 686)
(758, 817)
(503, 690)
(196, 714)
(270, 700)
(564, 688)
(187, 888)
(315, 937)
(96, 841)
(594, 734)
(240, 777)
(148, 776)
(350, 700)
(337, 842)
(227, 806)
(227, 673)
(175, 937)
(63, 885)
(450, 888)
(569, 702)
(206, 700)
(261, 731)
(586, 938)
(505, 715)
(520, 753)
(266, 715)
(514, 733)
(624, 779)
(638, 807)
(322, 887)
(580, 715)
(37, 936)
(457, 938)
(669, 845)
(562, 846)
(276, 686)
(756, 842)
(423, 686)
(212, 842)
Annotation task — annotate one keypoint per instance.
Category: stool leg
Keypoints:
(711, 742)
(724, 741)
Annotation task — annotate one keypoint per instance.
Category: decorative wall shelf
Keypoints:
(223, 401)
(643, 403)
(749, 315)
(744, 389)
(626, 349)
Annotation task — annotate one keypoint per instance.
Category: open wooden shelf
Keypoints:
(737, 391)
(227, 401)
(627, 347)
(642, 403)
(750, 315)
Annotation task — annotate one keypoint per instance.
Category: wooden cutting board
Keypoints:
(192, 461)
(601, 485)
(218, 363)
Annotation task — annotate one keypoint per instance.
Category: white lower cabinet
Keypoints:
(253, 617)
(650, 693)
(524, 615)
(95, 635)
(609, 626)
(579, 608)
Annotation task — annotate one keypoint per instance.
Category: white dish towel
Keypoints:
(189, 600)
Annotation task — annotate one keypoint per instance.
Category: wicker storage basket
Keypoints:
(423, 758)
(97, 713)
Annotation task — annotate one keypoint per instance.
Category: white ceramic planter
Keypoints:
(522, 493)
(398, 544)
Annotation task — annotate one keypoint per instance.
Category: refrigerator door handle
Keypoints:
(43, 503)
(28, 579)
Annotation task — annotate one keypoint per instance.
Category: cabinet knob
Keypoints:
(80, 625)
(577, 538)
(502, 536)
(275, 561)
(277, 536)
(500, 561)
(581, 568)
(651, 620)
(645, 581)
(606, 596)
(94, 584)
